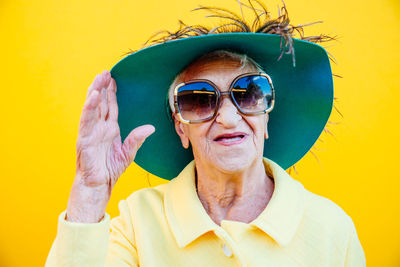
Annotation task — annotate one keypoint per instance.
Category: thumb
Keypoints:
(135, 139)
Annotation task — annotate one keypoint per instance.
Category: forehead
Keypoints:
(214, 69)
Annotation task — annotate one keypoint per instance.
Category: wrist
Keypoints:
(87, 204)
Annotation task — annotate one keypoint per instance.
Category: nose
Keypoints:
(227, 114)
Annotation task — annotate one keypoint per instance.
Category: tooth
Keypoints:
(231, 139)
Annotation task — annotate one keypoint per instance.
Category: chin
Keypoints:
(234, 162)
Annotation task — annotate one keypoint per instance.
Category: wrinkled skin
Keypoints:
(231, 180)
(101, 157)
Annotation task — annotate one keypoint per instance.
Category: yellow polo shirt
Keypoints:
(168, 226)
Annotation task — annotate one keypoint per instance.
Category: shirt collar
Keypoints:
(185, 213)
(284, 212)
(188, 219)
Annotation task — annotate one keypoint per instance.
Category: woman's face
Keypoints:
(231, 142)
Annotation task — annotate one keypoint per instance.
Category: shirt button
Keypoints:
(226, 250)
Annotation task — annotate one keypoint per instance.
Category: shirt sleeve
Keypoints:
(79, 244)
(95, 244)
(122, 250)
(354, 255)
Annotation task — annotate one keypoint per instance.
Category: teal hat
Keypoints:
(303, 100)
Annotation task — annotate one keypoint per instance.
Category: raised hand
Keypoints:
(101, 157)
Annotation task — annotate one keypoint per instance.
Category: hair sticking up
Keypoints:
(233, 23)
(261, 22)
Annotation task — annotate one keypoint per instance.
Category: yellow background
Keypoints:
(52, 50)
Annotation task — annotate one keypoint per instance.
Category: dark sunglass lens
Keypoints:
(252, 93)
(196, 101)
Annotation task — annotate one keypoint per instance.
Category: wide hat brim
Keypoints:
(303, 103)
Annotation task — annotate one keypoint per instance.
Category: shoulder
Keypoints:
(327, 218)
(331, 225)
(151, 203)
(326, 209)
(146, 197)
(140, 207)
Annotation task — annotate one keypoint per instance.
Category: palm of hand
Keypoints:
(101, 157)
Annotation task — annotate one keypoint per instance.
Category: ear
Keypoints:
(266, 126)
(180, 130)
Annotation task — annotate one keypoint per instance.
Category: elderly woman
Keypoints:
(230, 206)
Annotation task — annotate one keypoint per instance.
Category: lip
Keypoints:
(230, 139)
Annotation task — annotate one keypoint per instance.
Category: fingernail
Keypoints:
(114, 84)
(106, 74)
(153, 129)
(96, 79)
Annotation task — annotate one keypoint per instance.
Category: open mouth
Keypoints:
(230, 138)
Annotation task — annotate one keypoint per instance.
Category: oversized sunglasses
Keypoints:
(199, 100)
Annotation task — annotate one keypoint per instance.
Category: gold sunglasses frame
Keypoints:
(220, 95)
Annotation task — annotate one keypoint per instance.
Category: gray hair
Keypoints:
(243, 60)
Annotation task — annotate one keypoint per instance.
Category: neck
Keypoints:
(239, 196)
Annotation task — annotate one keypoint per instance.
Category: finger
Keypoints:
(93, 85)
(112, 100)
(135, 139)
(99, 82)
(90, 110)
(104, 104)
(104, 84)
